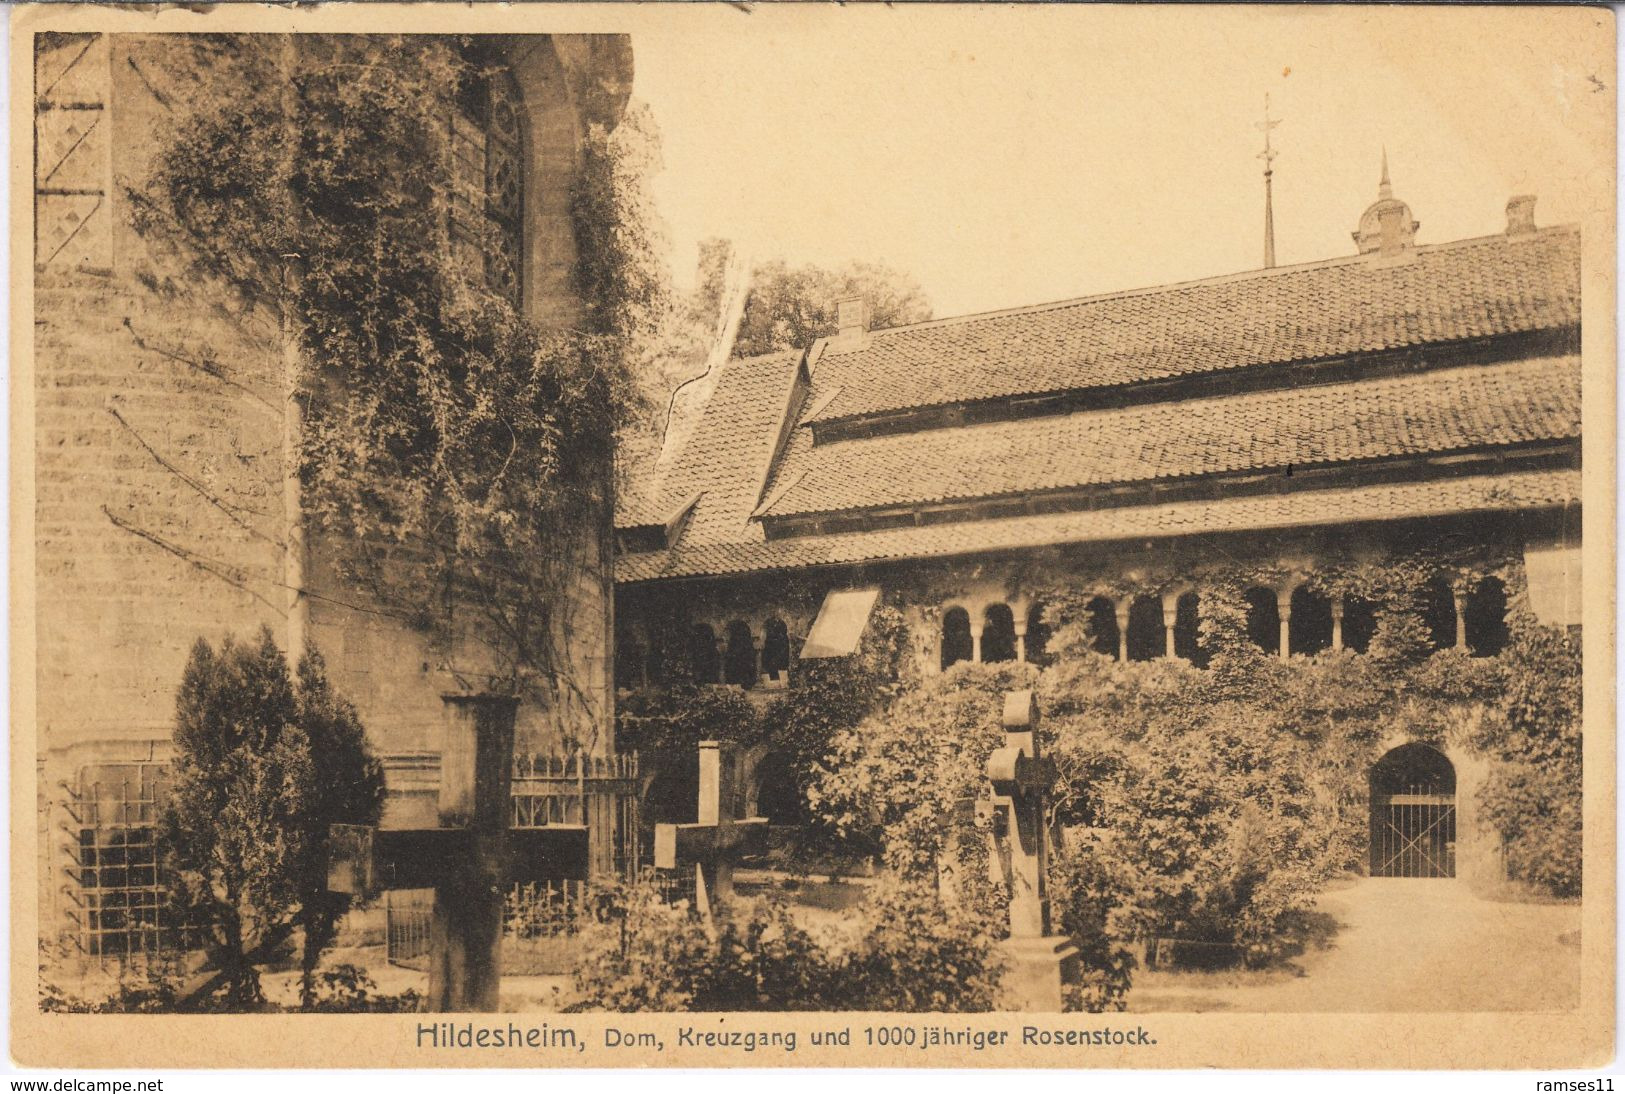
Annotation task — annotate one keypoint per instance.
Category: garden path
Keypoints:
(1404, 945)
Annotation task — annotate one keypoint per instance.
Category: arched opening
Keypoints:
(1101, 622)
(1309, 631)
(956, 641)
(1487, 618)
(775, 649)
(1037, 636)
(739, 664)
(778, 794)
(1263, 619)
(998, 633)
(674, 790)
(1438, 608)
(1413, 814)
(703, 659)
(1359, 623)
(1146, 640)
(1187, 630)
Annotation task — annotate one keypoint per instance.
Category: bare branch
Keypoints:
(205, 367)
(208, 566)
(217, 502)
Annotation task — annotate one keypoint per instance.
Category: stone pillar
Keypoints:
(1460, 600)
(758, 644)
(1041, 964)
(1170, 616)
(1021, 639)
(1283, 607)
(718, 887)
(976, 627)
(1337, 623)
(476, 779)
(1121, 610)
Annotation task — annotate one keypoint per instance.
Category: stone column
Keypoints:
(1021, 639)
(476, 773)
(1337, 623)
(1170, 617)
(758, 642)
(1121, 610)
(718, 887)
(1461, 618)
(976, 626)
(1283, 607)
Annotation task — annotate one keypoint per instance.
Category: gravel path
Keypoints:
(1406, 945)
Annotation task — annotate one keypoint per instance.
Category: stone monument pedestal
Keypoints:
(1038, 970)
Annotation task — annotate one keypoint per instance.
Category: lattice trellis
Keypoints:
(72, 157)
(115, 893)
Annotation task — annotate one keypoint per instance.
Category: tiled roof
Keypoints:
(1398, 501)
(638, 504)
(1361, 304)
(726, 458)
(1439, 411)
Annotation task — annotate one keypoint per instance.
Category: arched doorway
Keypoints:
(778, 793)
(1413, 814)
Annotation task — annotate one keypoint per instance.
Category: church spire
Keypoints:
(1268, 156)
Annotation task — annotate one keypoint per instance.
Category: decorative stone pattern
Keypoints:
(72, 212)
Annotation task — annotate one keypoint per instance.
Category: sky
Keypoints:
(1023, 154)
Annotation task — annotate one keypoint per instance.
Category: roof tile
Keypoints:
(1396, 501)
(1360, 304)
(1449, 409)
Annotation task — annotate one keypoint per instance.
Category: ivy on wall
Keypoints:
(303, 187)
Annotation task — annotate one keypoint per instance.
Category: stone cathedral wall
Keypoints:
(134, 433)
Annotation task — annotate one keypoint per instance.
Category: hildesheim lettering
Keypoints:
(468, 1035)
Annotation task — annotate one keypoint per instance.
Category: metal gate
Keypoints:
(1413, 814)
(1413, 835)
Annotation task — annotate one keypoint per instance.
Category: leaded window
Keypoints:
(487, 195)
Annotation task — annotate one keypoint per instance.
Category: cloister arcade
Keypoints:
(1291, 619)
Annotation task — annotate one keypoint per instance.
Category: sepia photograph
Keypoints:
(864, 536)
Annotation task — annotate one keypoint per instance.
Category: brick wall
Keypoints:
(134, 564)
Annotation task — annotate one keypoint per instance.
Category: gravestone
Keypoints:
(714, 843)
(469, 860)
(1041, 962)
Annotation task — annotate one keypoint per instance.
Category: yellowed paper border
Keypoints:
(1576, 39)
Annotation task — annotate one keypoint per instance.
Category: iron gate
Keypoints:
(1413, 835)
(1413, 813)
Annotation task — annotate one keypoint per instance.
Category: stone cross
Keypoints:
(469, 861)
(1041, 962)
(713, 843)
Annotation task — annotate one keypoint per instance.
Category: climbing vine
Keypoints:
(446, 438)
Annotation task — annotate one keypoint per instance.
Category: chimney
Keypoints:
(1521, 215)
(851, 323)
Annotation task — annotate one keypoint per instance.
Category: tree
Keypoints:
(790, 307)
(263, 765)
(348, 788)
